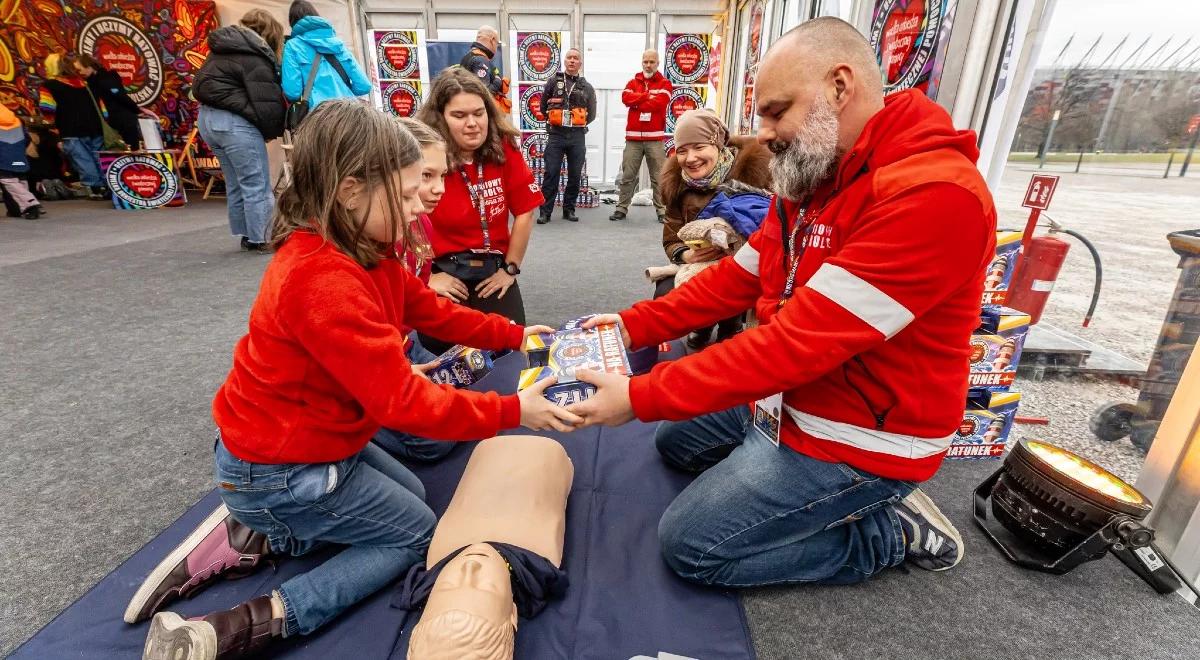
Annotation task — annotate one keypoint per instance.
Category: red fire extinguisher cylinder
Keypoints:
(1036, 274)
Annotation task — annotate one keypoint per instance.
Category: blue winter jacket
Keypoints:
(311, 37)
(743, 208)
(12, 151)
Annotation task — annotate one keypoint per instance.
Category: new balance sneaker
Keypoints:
(219, 546)
(241, 632)
(932, 543)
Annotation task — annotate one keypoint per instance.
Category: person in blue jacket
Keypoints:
(312, 37)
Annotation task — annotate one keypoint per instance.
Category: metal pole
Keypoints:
(1080, 161)
(1170, 161)
(1049, 136)
(1191, 148)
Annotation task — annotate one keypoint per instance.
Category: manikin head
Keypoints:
(470, 614)
(818, 86)
(650, 62)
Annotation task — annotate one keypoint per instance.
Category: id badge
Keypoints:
(645, 116)
(767, 417)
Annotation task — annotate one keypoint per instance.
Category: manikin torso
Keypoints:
(514, 490)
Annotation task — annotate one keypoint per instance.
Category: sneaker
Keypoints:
(219, 545)
(250, 246)
(569, 215)
(617, 215)
(97, 193)
(543, 219)
(241, 632)
(932, 542)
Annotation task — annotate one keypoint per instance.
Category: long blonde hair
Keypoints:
(345, 138)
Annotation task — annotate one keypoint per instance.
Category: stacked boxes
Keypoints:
(995, 353)
(461, 366)
(588, 198)
(1000, 272)
(563, 352)
(986, 425)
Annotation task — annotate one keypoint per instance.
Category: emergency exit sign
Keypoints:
(1041, 189)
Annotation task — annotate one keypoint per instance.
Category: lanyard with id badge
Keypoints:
(768, 411)
(475, 190)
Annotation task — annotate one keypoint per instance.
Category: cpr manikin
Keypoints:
(512, 496)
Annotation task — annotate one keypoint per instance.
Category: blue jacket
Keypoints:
(744, 209)
(12, 150)
(311, 37)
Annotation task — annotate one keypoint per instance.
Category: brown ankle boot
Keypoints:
(242, 632)
(220, 546)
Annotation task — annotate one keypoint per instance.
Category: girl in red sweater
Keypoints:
(321, 368)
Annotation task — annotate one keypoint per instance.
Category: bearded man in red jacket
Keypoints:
(811, 431)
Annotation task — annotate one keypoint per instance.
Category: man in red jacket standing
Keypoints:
(812, 430)
(646, 95)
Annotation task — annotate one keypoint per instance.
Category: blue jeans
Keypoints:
(240, 149)
(368, 502)
(407, 445)
(83, 153)
(761, 515)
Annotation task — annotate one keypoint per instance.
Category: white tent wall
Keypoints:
(341, 15)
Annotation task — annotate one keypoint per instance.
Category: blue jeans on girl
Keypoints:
(369, 502)
(759, 514)
(240, 149)
(84, 154)
(407, 445)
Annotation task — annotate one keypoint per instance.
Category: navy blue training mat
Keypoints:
(623, 601)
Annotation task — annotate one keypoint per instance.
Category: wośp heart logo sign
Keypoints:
(532, 118)
(140, 181)
(122, 47)
(538, 54)
(688, 58)
(682, 100)
(396, 53)
(905, 35)
(401, 97)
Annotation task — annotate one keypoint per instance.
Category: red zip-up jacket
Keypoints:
(871, 352)
(647, 99)
(322, 366)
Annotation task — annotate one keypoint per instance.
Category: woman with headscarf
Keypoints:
(708, 163)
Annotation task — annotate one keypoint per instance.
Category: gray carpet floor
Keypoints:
(117, 327)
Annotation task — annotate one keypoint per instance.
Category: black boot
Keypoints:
(699, 339)
(569, 215)
(617, 215)
(543, 218)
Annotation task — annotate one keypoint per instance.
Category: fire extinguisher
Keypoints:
(1038, 270)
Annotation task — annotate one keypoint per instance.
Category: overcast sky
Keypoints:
(1088, 19)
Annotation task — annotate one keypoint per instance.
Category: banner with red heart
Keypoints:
(909, 37)
(538, 54)
(396, 54)
(401, 97)
(142, 180)
(683, 99)
(532, 118)
(687, 59)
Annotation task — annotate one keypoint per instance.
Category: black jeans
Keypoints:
(572, 143)
(726, 328)
(511, 306)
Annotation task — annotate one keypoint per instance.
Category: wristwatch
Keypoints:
(512, 269)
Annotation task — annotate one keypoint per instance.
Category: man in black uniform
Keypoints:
(478, 60)
(569, 105)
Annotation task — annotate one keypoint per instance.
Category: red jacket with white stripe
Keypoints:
(871, 352)
(647, 99)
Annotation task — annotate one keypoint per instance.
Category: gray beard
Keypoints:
(810, 158)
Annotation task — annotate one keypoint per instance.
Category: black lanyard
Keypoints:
(792, 256)
(477, 201)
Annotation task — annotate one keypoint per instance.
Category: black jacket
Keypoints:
(564, 91)
(74, 114)
(478, 61)
(108, 88)
(241, 75)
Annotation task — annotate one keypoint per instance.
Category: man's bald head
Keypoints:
(816, 88)
(649, 62)
(488, 36)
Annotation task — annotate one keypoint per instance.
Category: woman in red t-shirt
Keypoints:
(477, 257)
